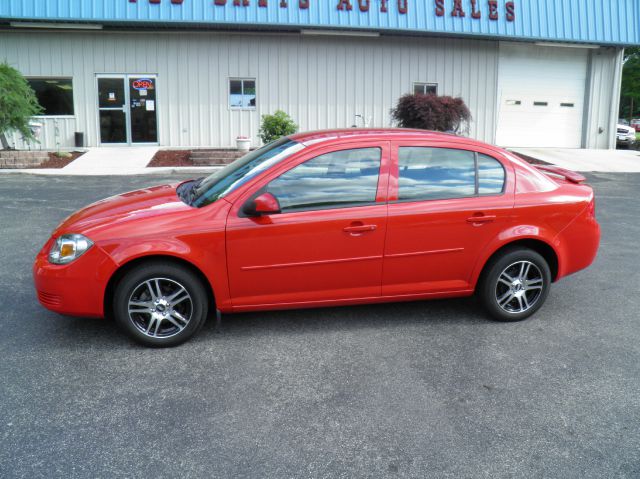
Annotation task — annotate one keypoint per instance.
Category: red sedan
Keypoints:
(323, 219)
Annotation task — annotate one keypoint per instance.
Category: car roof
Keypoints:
(320, 136)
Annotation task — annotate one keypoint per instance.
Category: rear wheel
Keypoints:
(515, 284)
(160, 304)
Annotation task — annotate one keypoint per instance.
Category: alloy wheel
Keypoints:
(160, 307)
(519, 287)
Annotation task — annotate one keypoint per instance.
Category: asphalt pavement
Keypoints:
(423, 389)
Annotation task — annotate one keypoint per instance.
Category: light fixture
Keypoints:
(340, 33)
(567, 45)
(60, 26)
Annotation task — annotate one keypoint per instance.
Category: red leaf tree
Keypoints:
(432, 112)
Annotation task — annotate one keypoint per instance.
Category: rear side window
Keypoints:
(334, 180)
(443, 173)
(490, 176)
(435, 173)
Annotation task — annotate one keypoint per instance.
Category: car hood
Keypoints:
(119, 210)
(626, 128)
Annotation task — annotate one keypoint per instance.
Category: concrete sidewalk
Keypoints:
(605, 161)
(113, 161)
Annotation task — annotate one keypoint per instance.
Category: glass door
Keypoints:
(142, 101)
(112, 111)
(127, 109)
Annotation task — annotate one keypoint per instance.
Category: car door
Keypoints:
(327, 242)
(447, 203)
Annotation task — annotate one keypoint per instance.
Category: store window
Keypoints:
(55, 95)
(242, 93)
(425, 88)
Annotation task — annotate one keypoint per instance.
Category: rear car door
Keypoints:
(447, 203)
(327, 242)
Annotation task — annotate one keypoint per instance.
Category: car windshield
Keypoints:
(224, 181)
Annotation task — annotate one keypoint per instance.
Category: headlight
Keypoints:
(68, 248)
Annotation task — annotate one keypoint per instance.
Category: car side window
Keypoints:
(427, 173)
(491, 175)
(435, 173)
(334, 180)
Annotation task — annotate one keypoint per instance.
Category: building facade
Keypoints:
(199, 73)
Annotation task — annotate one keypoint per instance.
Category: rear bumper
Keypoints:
(74, 289)
(578, 245)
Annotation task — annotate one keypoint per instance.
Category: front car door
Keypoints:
(327, 242)
(449, 203)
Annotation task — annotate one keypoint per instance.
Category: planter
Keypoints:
(243, 144)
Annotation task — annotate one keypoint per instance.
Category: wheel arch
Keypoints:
(124, 268)
(540, 246)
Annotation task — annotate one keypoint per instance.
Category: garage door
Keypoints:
(541, 92)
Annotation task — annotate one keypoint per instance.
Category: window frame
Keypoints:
(241, 80)
(476, 153)
(73, 96)
(425, 84)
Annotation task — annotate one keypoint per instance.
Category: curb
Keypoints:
(159, 170)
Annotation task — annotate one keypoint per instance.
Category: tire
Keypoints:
(515, 284)
(160, 304)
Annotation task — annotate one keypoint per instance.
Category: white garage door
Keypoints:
(541, 92)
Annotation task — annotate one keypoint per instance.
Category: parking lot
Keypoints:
(423, 389)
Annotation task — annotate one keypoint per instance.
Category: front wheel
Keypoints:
(160, 304)
(515, 285)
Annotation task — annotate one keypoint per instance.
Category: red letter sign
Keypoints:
(511, 11)
(457, 9)
(493, 9)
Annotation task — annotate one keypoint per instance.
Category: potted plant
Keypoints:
(243, 143)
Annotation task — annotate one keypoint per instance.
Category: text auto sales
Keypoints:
(456, 8)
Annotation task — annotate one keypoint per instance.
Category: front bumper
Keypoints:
(625, 140)
(74, 289)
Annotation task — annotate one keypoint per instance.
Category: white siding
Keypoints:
(56, 132)
(605, 70)
(322, 82)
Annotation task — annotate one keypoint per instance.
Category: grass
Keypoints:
(638, 136)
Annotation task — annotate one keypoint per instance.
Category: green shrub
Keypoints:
(276, 126)
(18, 103)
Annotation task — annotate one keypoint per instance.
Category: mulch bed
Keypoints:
(55, 161)
(172, 158)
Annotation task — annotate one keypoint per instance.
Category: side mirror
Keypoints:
(262, 205)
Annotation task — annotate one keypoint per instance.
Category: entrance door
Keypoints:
(127, 109)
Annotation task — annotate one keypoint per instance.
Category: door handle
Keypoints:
(359, 228)
(481, 219)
